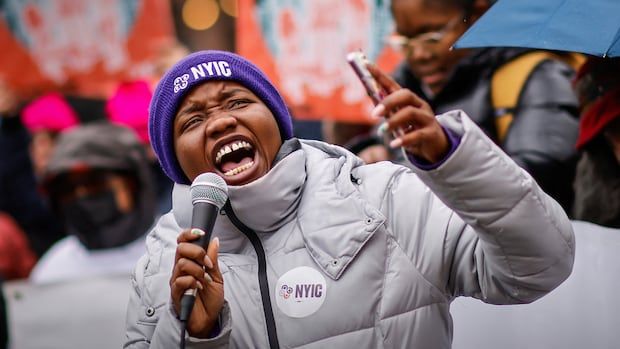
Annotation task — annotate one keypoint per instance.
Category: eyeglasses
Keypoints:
(429, 39)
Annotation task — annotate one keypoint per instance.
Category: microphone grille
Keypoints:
(209, 187)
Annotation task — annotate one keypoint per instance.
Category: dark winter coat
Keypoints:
(542, 135)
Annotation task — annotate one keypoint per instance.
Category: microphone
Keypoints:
(209, 194)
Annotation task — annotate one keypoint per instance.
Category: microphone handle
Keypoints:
(203, 218)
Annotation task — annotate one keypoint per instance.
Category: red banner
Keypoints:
(302, 46)
(83, 47)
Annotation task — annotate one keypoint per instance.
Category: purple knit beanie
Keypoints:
(196, 69)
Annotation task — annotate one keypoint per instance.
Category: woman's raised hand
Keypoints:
(410, 119)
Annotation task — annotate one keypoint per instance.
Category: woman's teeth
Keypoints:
(230, 148)
(239, 169)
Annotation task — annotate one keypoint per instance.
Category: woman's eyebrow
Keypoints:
(229, 93)
(193, 107)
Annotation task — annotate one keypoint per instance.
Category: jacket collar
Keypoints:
(334, 219)
(264, 205)
(271, 201)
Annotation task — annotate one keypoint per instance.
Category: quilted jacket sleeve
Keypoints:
(486, 228)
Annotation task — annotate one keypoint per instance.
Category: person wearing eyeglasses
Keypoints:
(544, 125)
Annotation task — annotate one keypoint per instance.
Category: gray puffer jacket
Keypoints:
(333, 253)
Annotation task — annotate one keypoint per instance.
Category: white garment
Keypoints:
(84, 313)
(69, 260)
(583, 312)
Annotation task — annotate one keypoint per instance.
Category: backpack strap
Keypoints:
(509, 79)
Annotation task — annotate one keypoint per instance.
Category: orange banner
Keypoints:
(302, 46)
(82, 47)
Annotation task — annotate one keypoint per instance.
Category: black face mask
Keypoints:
(98, 223)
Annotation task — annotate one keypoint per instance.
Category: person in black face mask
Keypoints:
(98, 180)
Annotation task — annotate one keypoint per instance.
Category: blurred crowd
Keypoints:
(564, 130)
(80, 185)
(79, 178)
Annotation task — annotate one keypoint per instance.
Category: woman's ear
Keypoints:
(479, 7)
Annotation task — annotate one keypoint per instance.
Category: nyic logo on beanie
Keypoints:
(218, 68)
(194, 70)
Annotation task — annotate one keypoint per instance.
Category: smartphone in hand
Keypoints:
(358, 61)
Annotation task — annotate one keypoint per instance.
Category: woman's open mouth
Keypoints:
(235, 158)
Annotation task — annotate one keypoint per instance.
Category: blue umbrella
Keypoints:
(587, 26)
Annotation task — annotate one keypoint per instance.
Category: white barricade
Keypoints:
(583, 312)
(89, 313)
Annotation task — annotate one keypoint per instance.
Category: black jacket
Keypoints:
(542, 136)
(597, 185)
